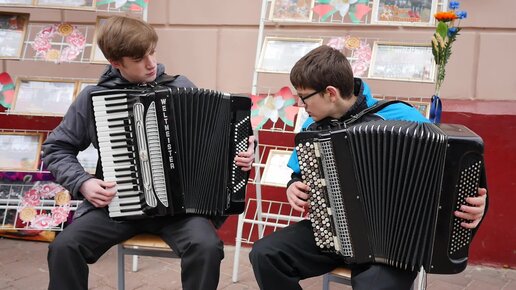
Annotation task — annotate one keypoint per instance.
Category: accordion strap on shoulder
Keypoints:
(166, 79)
(373, 109)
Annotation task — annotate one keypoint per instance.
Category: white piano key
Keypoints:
(103, 118)
(100, 116)
(121, 214)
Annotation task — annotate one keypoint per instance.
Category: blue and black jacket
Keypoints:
(396, 111)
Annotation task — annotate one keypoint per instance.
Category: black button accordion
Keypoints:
(385, 192)
(171, 150)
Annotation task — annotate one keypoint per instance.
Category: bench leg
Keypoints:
(121, 270)
(326, 282)
(420, 283)
(135, 263)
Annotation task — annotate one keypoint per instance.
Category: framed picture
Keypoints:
(43, 97)
(83, 84)
(291, 10)
(13, 27)
(20, 151)
(88, 159)
(17, 2)
(132, 6)
(276, 172)
(301, 118)
(401, 61)
(74, 4)
(406, 12)
(279, 54)
(96, 54)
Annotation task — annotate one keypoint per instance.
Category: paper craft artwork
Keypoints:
(74, 43)
(273, 107)
(291, 10)
(357, 51)
(6, 90)
(355, 9)
(125, 5)
(276, 172)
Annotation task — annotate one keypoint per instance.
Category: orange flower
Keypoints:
(445, 16)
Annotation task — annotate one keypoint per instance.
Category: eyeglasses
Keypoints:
(303, 99)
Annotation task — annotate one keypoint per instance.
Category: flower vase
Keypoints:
(435, 109)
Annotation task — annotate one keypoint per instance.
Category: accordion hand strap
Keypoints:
(373, 109)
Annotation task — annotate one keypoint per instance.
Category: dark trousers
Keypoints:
(192, 237)
(283, 258)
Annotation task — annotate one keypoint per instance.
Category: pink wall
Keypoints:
(214, 44)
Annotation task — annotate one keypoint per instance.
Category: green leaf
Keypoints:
(442, 29)
(435, 52)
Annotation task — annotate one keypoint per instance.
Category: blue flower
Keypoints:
(454, 5)
(452, 31)
(462, 14)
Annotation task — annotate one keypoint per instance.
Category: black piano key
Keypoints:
(130, 160)
(129, 154)
(134, 188)
(118, 126)
(118, 119)
(129, 147)
(132, 175)
(124, 181)
(130, 168)
(127, 135)
(125, 140)
(112, 104)
(116, 111)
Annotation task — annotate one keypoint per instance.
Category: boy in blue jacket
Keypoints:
(325, 85)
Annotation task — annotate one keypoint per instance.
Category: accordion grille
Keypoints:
(466, 187)
(238, 178)
(336, 202)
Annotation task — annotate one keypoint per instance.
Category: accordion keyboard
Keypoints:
(112, 111)
(320, 212)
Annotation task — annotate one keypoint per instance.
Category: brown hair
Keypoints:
(323, 66)
(122, 36)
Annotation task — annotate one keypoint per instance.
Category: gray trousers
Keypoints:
(88, 237)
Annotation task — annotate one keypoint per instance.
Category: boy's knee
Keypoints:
(208, 246)
(259, 251)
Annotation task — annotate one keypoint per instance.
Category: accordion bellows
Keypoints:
(385, 191)
(171, 150)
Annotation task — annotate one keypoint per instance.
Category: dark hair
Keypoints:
(323, 66)
(122, 36)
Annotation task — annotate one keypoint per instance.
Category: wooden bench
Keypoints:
(141, 245)
(342, 275)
